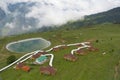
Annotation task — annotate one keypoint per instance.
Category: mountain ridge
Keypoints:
(110, 16)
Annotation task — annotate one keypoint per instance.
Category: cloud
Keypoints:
(53, 12)
(57, 12)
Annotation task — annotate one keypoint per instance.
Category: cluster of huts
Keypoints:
(48, 70)
(71, 57)
(22, 66)
(39, 58)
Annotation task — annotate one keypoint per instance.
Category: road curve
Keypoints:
(52, 56)
(18, 60)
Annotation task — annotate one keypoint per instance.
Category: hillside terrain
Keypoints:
(93, 66)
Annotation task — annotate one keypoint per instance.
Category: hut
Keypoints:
(79, 45)
(41, 59)
(89, 43)
(23, 67)
(26, 68)
(70, 57)
(42, 53)
(92, 49)
(80, 52)
(38, 55)
(48, 70)
(56, 49)
(19, 65)
(63, 47)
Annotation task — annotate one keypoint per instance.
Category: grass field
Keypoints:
(94, 66)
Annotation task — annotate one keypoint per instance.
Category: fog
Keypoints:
(42, 13)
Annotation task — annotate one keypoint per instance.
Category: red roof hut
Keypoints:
(63, 47)
(19, 65)
(26, 68)
(38, 55)
(56, 49)
(70, 57)
(79, 45)
(92, 49)
(23, 67)
(48, 70)
(80, 52)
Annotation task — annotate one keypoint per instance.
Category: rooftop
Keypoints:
(48, 70)
(70, 57)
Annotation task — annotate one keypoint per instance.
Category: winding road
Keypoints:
(22, 59)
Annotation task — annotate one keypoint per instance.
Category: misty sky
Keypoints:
(57, 12)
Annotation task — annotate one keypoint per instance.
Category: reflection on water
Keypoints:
(28, 45)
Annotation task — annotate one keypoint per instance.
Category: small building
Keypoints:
(89, 43)
(42, 59)
(42, 53)
(22, 66)
(70, 57)
(19, 65)
(63, 47)
(80, 52)
(38, 55)
(92, 49)
(56, 49)
(48, 70)
(79, 45)
(26, 68)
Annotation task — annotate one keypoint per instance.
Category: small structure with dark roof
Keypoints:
(38, 55)
(92, 49)
(79, 45)
(80, 52)
(48, 70)
(70, 57)
(63, 47)
(19, 65)
(23, 67)
(43, 53)
(56, 49)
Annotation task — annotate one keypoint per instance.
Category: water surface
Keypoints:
(28, 45)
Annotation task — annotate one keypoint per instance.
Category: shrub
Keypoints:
(11, 59)
(97, 41)
(110, 38)
(112, 50)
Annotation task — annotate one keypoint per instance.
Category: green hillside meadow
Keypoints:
(93, 66)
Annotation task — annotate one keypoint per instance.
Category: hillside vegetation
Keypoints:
(93, 66)
(111, 16)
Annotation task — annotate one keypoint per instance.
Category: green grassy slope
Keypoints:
(94, 66)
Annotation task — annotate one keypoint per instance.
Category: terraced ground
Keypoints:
(93, 66)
